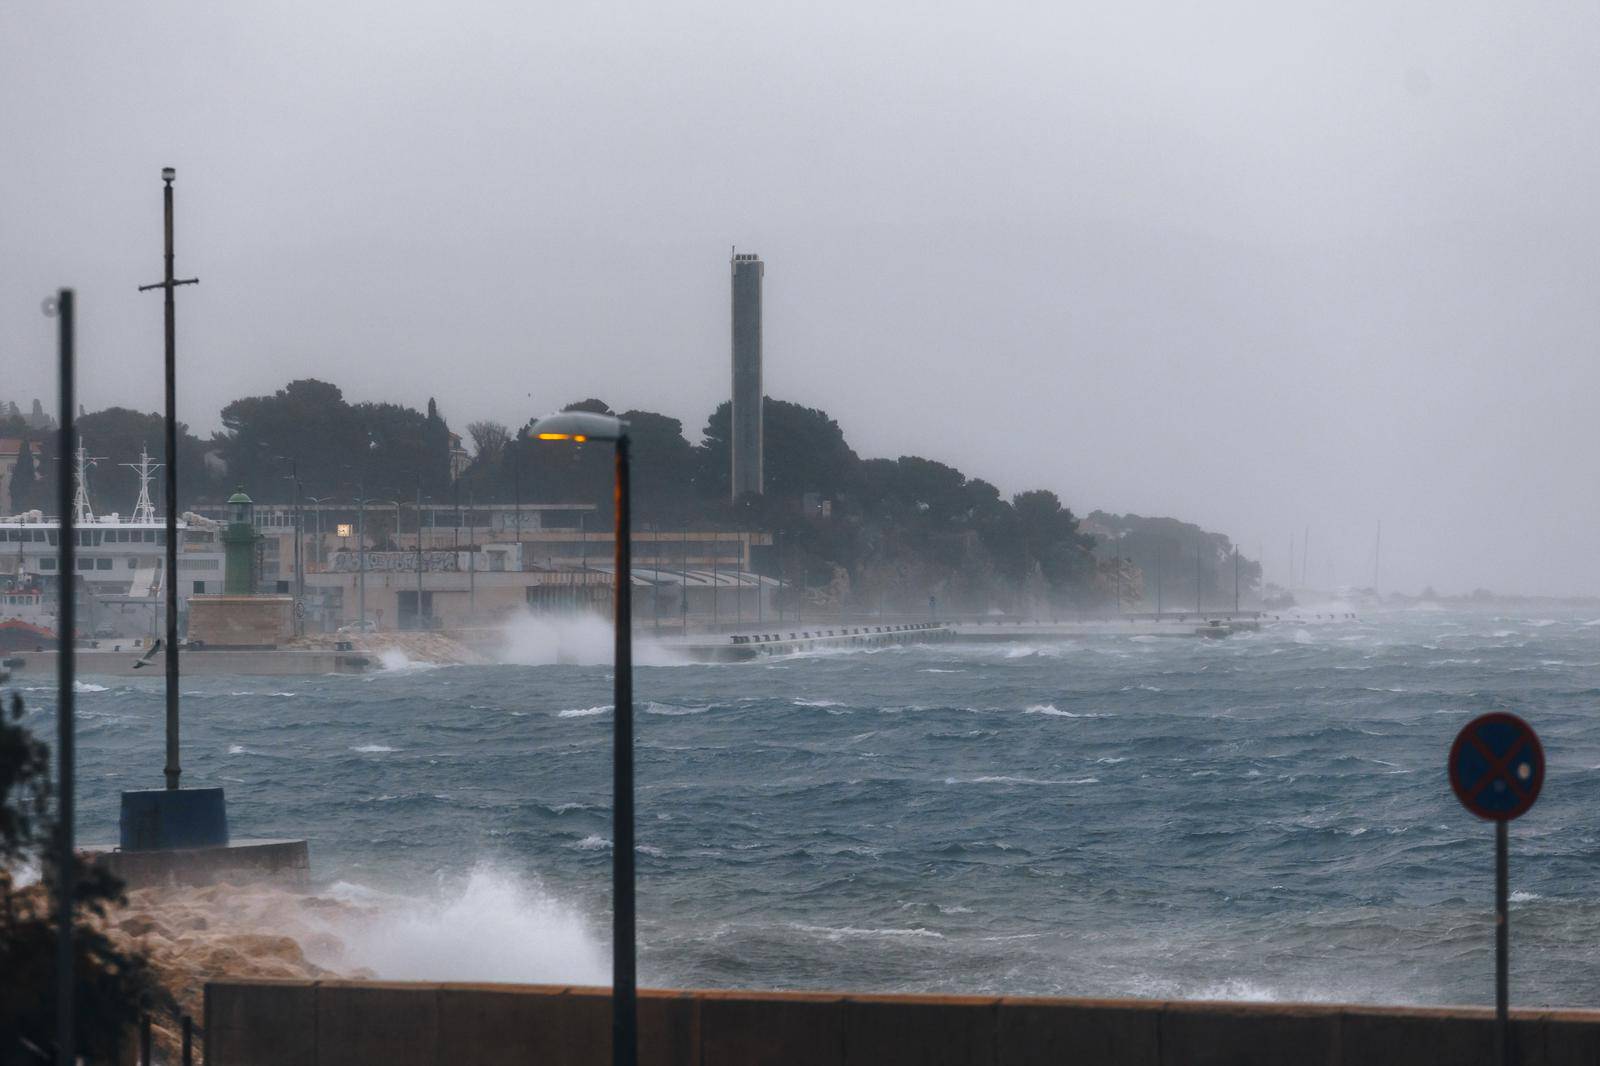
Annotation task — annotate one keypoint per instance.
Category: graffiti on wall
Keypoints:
(433, 562)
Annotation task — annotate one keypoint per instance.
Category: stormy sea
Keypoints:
(1262, 817)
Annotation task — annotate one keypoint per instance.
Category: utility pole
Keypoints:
(361, 552)
(299, 537)
(1235, 553)
(1158, 583)
(1197, 609)
(173, 771)
(472, 562)
(1119, 575)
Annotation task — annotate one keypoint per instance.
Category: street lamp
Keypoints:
(580, 427)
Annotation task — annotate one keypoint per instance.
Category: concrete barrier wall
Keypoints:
(342, 1023)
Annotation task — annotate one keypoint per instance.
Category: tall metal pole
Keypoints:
(361, 554)
(1197, 609)
(173, 771)
(1235, 579)
(624, 1006)
(66, 587)
(419, 552)
(1502, 944)
(1158, 583)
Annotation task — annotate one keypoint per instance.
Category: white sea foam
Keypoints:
(88, 686)
(239, 749)
(372, 749)
(818, 703)
(583, 712)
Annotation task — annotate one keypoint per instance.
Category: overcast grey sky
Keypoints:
(1255, 267)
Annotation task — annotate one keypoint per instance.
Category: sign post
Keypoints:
(1496, 771)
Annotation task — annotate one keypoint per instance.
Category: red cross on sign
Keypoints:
(1497, 766)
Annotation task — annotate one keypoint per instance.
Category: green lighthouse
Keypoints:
(239, 540)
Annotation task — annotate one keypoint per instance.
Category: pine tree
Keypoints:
(24, 480)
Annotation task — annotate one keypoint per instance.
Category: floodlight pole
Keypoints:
(173, 771)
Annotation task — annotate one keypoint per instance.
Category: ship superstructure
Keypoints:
(120, 561)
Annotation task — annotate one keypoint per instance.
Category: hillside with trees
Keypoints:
(864, 532)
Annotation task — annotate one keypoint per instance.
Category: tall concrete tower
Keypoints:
(747, 271)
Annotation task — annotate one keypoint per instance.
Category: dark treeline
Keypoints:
(864, 533)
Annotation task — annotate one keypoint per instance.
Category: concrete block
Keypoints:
(1568, 1038)
(281, 862)
(1085, 1032)
(360, 1022)
(669, 1028)
(1254, 1034)
(771, 1029)
(490, 1025)
(261, 1023)
(927, 1030)
(1418, 1036)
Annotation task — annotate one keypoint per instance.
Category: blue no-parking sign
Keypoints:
(1497, 766)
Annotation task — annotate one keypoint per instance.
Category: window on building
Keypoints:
(85, 564)
(200, 588)
(133, 564)
(47, 564)
(102, 564)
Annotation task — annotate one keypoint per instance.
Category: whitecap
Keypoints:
(1055, 712)
(583, 712)
(1007, 779)
(88, 686)
(371, 749)
(670, 710)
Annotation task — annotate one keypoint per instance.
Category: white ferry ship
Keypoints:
(121, 563)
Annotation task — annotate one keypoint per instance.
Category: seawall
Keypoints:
(334, 1023)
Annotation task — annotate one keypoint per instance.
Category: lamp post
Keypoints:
(299, 536)
(579, 427)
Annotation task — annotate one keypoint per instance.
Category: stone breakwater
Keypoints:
(194, 935)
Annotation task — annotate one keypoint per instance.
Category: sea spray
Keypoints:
(574, 640)
(493, 927)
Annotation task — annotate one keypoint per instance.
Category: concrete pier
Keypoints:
(341, 1023)
(280, 862)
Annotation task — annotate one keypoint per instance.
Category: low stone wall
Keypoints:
(334, 1023)
(241, 621)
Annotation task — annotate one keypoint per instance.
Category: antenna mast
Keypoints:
(82, 513)
(144, 510)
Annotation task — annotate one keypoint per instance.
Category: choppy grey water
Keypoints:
(1262, 817)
